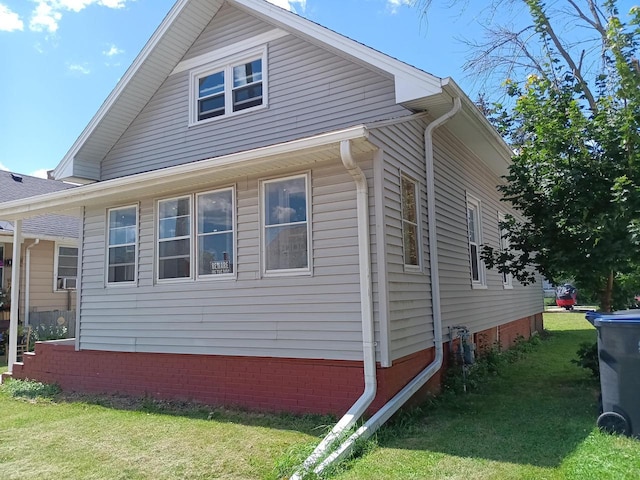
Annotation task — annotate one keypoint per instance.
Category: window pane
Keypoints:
(247, 97)
(126, 254)
(410, 233)
(215, 212)
(472, 219)
(409, 200)
(286, 247)
(174, 248)
(211, 107)
(175, 227)
(175, 268)
(121, 273)
(174, 208)
(211, 84)
(247, 73)
(286, 201)
(122, 235)
(215, 253)
(69, 251)
(475, 272)
(124, 217)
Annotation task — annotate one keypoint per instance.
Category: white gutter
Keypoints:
(392, 406)
(27, 282)
(366, 302)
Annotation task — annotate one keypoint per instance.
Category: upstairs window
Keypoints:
(474, 226)
(66, 267)
(410, 237)
(228, 88)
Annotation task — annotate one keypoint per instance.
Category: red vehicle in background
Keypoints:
(566, 296)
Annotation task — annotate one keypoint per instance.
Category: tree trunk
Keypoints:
(607, 294)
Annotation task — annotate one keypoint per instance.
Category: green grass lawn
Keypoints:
(533, 420)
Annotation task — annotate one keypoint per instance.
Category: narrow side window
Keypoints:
(174, 238)
(410, 230)
(474, 226)
(122, 244)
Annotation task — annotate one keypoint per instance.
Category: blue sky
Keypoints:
(61, 58)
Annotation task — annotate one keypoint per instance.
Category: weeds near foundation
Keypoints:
(31, 390)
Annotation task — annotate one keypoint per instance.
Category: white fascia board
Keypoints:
(79, 196)
(65, 167)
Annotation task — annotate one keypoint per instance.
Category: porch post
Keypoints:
(15, 294)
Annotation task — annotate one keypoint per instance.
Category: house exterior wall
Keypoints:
(457, 172)
(42, 295)
(310, 91)
(301, 316)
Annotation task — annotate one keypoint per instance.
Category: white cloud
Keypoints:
(393, 5)
(48, 13)
(289, 4)
(77, 68)
(3, 167)
(40, 173)
(112, 51)
(9, 21)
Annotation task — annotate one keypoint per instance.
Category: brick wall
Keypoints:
(268, 384)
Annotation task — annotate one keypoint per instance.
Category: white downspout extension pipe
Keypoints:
(366, 301)
(27, 282)
(392, 406)
(15, 295)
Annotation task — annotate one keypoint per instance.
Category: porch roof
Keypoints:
(296, 153)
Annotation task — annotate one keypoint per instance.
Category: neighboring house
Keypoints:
(259, 219)
(49, 250)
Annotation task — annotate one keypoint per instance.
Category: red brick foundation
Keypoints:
(268, 384)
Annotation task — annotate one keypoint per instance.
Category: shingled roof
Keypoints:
(15, 186)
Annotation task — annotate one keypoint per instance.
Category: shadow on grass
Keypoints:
(536, 411)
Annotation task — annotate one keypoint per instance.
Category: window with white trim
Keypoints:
(285, 212)
(410, 231)
(198, 241)
(122, 246)
(174, 238)
(226, 88)
(507, 278)
(66, 267)
(215, 233)
(474, 225)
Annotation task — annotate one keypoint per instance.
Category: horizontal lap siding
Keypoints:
(314, 316)
(409, 293)
(458, 171)
(310, 91)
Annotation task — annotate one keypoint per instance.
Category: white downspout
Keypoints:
(421, 379)
(366, 302)
(27, 282)
(15, 295)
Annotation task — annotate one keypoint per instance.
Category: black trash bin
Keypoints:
(619, 354)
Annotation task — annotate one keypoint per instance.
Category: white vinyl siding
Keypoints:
(308, 316)
(122, 250)
(310, 90)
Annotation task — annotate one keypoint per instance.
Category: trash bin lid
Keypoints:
(622, 317)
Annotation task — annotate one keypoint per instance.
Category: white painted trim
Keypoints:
(408, 268)
(220, 54)
(481, 283)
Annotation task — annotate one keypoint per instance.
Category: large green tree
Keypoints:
(572, 116)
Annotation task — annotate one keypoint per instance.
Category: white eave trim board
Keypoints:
(79, 196)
